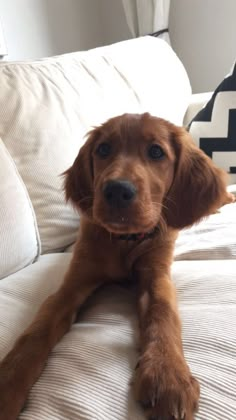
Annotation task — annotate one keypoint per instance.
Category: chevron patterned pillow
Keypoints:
(214, 127)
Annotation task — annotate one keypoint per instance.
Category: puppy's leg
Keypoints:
(22, 366)
(163, 384)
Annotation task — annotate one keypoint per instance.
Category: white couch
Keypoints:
(46, 107)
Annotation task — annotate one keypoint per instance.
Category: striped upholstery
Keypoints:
(207, 297)
(213, 238)
(88, 373)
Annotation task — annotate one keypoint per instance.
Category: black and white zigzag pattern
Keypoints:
(214, 127)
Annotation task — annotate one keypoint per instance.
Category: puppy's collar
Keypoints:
(139, 236)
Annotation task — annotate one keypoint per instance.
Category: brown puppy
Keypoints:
(136, 181)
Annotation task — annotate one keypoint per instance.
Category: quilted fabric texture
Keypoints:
(214, 126)
(19, 239)
(46, 107)
(88, 374)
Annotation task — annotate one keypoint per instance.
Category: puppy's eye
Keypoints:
(103, 150)
(155, 152)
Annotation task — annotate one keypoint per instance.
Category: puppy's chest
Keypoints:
(120, 261)
(116, 268)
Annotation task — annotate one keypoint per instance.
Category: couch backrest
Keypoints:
(47, 106)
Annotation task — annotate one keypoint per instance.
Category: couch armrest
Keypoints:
(197, 102)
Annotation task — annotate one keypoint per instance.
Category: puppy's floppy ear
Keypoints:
(199, 187)
(79, 177)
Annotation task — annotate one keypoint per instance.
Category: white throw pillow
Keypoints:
(47, 106)
(19, 239)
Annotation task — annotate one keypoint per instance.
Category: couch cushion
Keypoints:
(88, 373)
(19, 239)
(47, 106)
(213, 238)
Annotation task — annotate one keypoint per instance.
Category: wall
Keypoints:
(39, 28)
(203, 33)
(114, 23)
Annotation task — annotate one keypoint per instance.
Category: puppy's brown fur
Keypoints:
(171, 192)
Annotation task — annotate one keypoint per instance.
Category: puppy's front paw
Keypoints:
(165, 388)
(7, 404)
(12, 397)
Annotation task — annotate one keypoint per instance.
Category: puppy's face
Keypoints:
(133, 169)
(137, 170)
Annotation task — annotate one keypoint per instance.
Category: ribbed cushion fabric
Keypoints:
(207, 298)
(19, 239)
(47, 106)
(213, 238)
(89, 372)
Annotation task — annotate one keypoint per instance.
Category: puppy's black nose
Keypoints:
(119, 193)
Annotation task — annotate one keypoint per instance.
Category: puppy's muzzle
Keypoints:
(119, 193)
